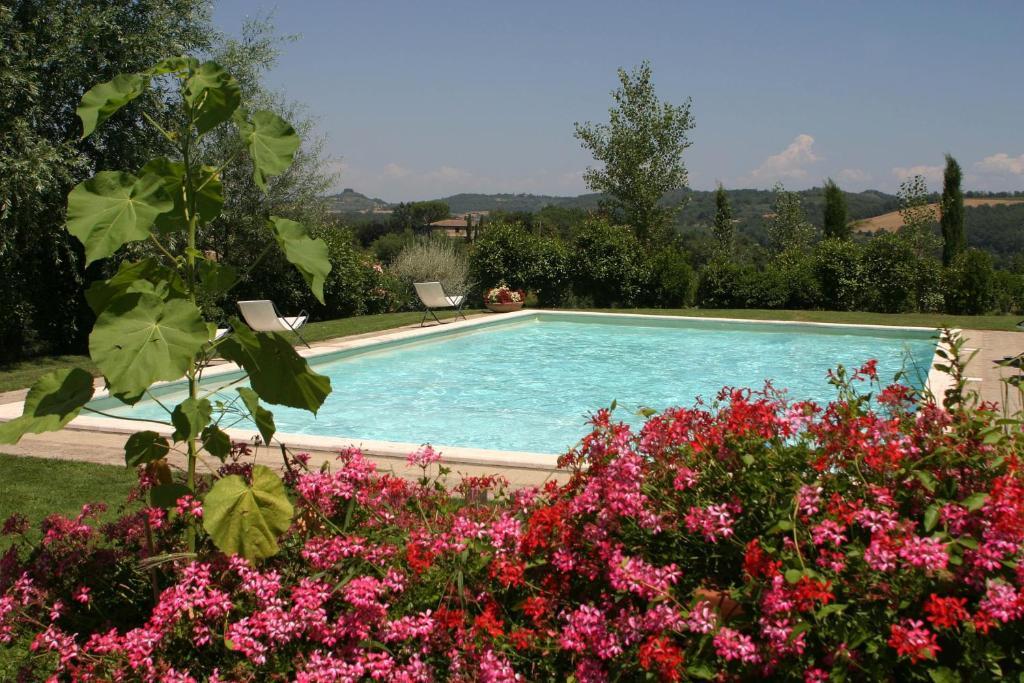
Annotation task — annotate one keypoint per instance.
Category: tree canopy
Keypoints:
(640, 151)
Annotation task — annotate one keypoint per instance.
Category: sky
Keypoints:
(424, 99)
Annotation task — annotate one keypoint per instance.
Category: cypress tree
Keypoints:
(954, 240)
(836, 223)
(723, 228)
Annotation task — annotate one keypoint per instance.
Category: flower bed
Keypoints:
(744, 539)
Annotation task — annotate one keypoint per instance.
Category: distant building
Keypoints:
(459, 225)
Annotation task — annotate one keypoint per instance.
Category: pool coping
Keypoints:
(936, 383)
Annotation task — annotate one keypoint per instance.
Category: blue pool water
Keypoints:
(529, 385)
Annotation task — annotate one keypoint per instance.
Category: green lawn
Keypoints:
(25, 373)
(37, 487)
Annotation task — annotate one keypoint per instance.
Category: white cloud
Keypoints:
(856, 176)
(1000, 164)
(789, 163)
(932, 174)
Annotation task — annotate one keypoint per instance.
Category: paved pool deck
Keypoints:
(99, 440)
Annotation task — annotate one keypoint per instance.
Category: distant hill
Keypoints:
(892, 220)
(350, 201)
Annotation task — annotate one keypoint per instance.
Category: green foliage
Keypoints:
(140, 339)
(436, 258)
(640, 152)
(247, 519)
(276, 372)
(788, 227)
(414, 215)
(54, 400)
(1008, 291)
(608, 267)
(504, 252)
(954, 240)
(55, 51)
(387, 247)
(970, 283)
(837, 267)
(671, 280)
(149, 327)
(724, 229)
(889, 269)
(100, 102)
(835, 223)
(918, 217)
(145, 447)
(721, 284)
(308, 255)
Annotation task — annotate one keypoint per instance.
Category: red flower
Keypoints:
(757, 563)
(945, 612)
(488, 622)
(659, 653)
(912, 639)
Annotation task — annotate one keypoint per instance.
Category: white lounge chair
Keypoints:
(432, 296)
(262, 316)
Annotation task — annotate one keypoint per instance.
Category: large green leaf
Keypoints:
(143, 447)
(213, 94)
(140, 339)
(54, 400)
(263, 418)
(101, 101)
(216, 442)
(271, 142)
(246, 520)
(276, 372)
(308, 255)
(189, 417)
(113, 208)
(129, 278)
(173, 65)
(209, 193)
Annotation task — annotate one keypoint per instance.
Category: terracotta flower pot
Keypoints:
(504, 308)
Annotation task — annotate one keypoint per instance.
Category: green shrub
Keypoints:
(837, 269)
(437, 259)
(1008, 292)
(608, 267)
(504, 252)
(386, 248)
(929, 287)
(671, 279)
(768, 288)
(969, 283)
(722, 284)
(347, 285)
(890, 274)
(549, 278)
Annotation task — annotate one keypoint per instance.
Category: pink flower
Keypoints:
(924, 553)
(702, 618)
(713, 522)
(731, 645)
(424, 456)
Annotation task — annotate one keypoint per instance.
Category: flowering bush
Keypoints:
(503, 294)
(875, 538)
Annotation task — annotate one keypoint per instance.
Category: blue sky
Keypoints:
(424, 99)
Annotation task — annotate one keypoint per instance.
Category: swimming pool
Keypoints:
(528, 382)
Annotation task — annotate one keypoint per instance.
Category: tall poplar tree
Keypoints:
(836, 222)
(954, 239)
(724, 231)
(640, 151)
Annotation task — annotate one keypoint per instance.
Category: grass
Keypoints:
(37, 487)
(25, 373)
(937, 320)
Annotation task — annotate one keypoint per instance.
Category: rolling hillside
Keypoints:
(892, 221)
